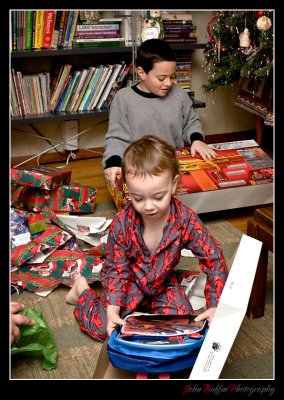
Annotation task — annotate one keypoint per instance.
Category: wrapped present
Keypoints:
(73, 198)
(120, 193)
(33, 199)
(40, 177)
(16, 191)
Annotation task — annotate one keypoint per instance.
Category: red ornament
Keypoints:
(259, 13)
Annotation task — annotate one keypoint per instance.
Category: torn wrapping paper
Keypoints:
(40, 177)
(48, 213)
(19, 228)
(37, 223)
(73, 197)
(61, 267)
(38, 249)
(86, 225)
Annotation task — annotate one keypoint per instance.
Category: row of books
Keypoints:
(53, 29)
(85, 89)
(30, 94)
(183, 74)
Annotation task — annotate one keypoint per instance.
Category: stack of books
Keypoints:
(102, 32)
(179, 28)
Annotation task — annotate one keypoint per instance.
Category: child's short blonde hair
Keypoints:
(149, 155)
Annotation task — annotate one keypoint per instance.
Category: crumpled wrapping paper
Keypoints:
(36, 340)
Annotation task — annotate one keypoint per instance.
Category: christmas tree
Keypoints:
(240, 46)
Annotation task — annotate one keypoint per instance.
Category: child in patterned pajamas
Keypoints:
(144, 246)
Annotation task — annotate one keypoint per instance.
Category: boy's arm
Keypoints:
(118, 136)
(192, 128)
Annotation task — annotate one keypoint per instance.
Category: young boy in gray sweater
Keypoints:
(154, 105)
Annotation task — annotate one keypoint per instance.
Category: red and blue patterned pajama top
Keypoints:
(136, 279)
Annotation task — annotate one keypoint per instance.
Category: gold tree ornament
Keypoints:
(263, 23)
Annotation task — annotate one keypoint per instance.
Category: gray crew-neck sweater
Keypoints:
(134, 113)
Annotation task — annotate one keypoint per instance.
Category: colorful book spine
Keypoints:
(181, 40)
(96, 34)
(48, 26)
(29, 30)
(76, 94)
(39, 28)
(73, 29)
(14, 30)
(68, 28)
(61, 27)
(95, 27)
(88, 89)
(90, 72)
(54, 40)
(77, 43)
(93, 87)
(104, 79)
(64, 29)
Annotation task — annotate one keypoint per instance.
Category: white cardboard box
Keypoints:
(229, 313)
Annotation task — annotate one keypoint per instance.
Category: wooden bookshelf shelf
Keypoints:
(94, 50)
(61, 116)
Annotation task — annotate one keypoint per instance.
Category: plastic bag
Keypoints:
(36, 340)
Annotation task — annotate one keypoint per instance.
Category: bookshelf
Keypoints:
(48, 60)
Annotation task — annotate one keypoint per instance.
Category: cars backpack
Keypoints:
(154, 354)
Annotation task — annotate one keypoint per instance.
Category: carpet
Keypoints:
(251, 356)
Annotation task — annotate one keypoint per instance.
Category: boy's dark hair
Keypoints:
(152, 51)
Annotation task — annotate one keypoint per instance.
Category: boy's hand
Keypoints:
(110, 175)
(113, 318)
(200, 147)
(208, 314)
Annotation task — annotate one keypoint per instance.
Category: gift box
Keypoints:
(32, 199)
(120, 193)
(73, 198)
(40, 177)
(241, 175)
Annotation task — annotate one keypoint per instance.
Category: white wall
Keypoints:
(219, 116)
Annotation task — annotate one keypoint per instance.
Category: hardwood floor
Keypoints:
(89, 172)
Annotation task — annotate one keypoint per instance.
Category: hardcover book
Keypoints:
(161, 325)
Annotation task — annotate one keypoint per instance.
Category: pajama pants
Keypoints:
(90, 310)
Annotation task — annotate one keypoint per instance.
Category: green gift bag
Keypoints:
(36, 340)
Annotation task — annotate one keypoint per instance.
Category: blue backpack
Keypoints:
(152, 354)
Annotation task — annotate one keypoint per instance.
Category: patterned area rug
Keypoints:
(251, 356)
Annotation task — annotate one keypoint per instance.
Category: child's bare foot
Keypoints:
(79, 285)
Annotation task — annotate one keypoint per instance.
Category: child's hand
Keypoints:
(208, 314)
(110, 175)
(113, 318)
(200, 147)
